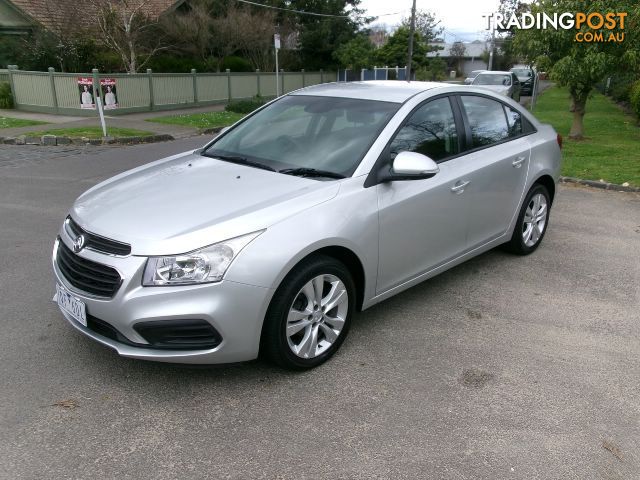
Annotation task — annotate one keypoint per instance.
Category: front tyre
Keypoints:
(310, 314)
(532, 222)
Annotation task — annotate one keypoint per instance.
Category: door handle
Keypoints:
(458, 188)
(517, 163)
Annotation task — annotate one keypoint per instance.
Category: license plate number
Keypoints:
(70, 304)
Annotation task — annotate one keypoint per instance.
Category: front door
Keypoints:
(422, 223)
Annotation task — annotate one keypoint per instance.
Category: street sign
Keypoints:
(276, 40)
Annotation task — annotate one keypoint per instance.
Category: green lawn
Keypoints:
(611, 149)
(91, 132)
(8, 122)
(201, 120)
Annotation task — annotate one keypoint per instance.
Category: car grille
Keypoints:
(96, 242)
(87, 275)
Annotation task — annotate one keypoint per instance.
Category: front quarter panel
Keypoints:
(348, 220)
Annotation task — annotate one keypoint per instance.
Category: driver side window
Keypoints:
(430, 130)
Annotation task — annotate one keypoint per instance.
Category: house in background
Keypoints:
(471, 60)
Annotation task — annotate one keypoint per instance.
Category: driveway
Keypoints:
(504, 367)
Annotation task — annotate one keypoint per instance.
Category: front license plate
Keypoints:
(70, 304)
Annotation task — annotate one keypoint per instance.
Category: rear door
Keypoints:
(499, 151)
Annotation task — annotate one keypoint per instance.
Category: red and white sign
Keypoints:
(109, 94)
(85, 88)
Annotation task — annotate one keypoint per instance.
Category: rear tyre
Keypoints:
(532, 222)
(309, 315)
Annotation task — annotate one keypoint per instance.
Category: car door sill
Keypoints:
(436, 270)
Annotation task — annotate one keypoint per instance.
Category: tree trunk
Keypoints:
(579, 101)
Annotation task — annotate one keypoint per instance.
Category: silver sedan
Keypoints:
(505, 83)
(325, 201)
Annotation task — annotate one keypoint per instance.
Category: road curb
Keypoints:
(601, 185)
(53, 140)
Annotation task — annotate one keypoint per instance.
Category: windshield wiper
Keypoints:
(240, 160)
(311, 172)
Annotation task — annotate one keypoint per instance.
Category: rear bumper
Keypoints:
(235, 310)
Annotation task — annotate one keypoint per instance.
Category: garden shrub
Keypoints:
(6, 98)
(237, 64)
(245, 106)
(634, 98)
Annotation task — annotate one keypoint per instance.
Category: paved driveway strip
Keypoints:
(504, 367)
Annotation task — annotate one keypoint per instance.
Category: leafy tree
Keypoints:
(319, 37)
(356, 54)
(426, 25)
(395, 51)
(433, 71)
(578, 65)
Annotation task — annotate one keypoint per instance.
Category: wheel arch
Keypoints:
(547, 182)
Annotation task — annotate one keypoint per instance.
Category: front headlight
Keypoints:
(205, 265)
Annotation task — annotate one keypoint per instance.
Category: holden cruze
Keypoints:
(325, 201)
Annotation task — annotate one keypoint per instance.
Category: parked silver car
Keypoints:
(504, 83)
(325, 201)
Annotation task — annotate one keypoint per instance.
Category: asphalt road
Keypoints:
(504, 367)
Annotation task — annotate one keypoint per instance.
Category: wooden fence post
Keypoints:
(195, 85)
(52, 83)
(150, 77)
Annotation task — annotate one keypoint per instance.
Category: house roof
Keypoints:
(12, 20)
(472, 50)
(58, 13)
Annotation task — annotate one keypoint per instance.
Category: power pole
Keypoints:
(412, 29)
(493, 32)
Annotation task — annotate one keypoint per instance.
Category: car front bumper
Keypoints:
(235, 310)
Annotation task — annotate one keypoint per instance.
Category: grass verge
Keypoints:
(8, 122)
(90, 132)
(610, 150)
(201, 120)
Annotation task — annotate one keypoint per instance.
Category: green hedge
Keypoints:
(245, 106)
(634, 98)
(6, 98)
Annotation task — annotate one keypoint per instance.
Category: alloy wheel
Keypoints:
(317, 316)
(535, 220)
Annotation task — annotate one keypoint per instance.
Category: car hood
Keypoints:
(525, 79)
(188, 201)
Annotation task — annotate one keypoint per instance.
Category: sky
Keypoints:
(462, 19)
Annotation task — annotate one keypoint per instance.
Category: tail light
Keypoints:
(559, 139)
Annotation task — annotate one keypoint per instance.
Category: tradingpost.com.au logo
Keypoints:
(601, 25)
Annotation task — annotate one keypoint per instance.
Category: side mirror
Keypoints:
(409, 166)
(414, 165)
(406, 166)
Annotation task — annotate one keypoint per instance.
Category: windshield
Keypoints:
(522, 72)
(483, 79)
(297, 131)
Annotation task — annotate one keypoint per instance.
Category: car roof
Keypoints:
(395, 91)
(495, 72)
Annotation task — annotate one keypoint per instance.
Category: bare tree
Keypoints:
(457, 52)
(128, 29)
(256, 38)
(192, 32)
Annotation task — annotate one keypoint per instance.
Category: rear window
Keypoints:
(487, 120)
